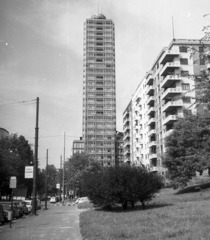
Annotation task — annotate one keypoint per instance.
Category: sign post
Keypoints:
(12, 184)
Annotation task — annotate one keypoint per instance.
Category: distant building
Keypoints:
(78, 146)
(166, 93)
(3, 133)
(99, 98)
(119, 148)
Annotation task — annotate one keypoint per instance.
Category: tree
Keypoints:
(188, 148)
(120, 185)
(15, 154)
(74, 169)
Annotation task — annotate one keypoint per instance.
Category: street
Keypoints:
(57, 223)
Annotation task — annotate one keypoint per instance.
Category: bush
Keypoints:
(123, 185)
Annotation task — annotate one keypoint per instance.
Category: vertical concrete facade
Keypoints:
(165, 94)
(99, 94)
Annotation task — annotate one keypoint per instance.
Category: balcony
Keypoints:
(168, 56)
(152, 143)
(171, 92)
(152, 156)
(169, 80)
(126, 135)
(126, 144)
(151, 121)
(150, 100)
(208, 66)
(166, 134)
(172, 105)
(151, 110)
(169, 119)
(149, 79)
(127, 151)
(150, 91)
(151, 132)
(169, 67)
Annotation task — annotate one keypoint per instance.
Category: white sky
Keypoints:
(41, 55)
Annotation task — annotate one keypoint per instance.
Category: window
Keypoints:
(184, 61)
(186, 100)
(183, 49)
(184, 73)
(185, 86)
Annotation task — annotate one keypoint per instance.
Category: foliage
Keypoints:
(188, 148)
(74, 169)
(169, 216)
(108, 186)
(15, 154)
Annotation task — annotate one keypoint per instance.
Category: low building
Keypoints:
(78, 146)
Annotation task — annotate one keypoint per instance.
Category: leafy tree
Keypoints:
(188, 148)
(15, 154)
(119, 185)
(74, 169)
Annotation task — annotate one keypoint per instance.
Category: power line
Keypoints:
(21, 102)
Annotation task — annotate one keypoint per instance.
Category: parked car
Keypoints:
(7, 208)
(28, 205)
(53, 200)
(23, 206)
(17, 207)
(2, 215)
(82, 199)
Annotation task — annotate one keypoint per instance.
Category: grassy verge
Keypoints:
(168, 216)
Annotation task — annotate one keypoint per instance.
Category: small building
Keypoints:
(78, 146)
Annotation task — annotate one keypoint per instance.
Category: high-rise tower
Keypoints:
(99, 97)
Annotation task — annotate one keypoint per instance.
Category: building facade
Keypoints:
(78, 146)
(99, 97)
(165, 94)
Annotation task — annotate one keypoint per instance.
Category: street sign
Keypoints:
(13, 182)
(58, 185)
(29, 171)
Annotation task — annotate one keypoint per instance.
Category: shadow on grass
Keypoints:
(194, 188)
(137, 207)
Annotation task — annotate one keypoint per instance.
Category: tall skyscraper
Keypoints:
(99, 94)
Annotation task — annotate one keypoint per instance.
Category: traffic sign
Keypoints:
(29, 170)
(13, 182)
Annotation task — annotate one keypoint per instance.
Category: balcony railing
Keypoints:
(152, 143)
(169, 80)
(169, 67)
(151, 132)
(150, 91)
(150, 110)
(150, 100)
(169, 106)
(152, 156)
(168, 56)
(170, 92)
(169, 119)
(151, 120)
(149, 78)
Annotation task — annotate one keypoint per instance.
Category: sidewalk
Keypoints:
(57, 223)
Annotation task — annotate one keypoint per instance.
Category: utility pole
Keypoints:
(64, 150)
(35, 158)
(46, 176)
(60, 174)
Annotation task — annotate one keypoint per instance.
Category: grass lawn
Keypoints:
(168, 216)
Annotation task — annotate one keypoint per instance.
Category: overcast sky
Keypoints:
(41, 55)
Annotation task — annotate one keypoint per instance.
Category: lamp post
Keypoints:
(46, 173)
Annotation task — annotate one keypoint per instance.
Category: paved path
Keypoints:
(56, 223)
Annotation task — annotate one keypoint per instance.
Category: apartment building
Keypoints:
(78, 146)
(166, 93)
(99, 97)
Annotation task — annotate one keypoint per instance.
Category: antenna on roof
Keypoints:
(173, 26)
